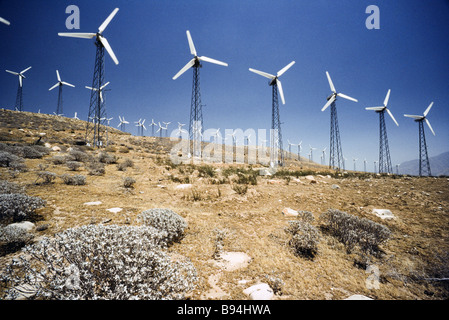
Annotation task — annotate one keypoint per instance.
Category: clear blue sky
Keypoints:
(409, 55)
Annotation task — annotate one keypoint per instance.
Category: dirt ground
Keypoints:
(249, 221)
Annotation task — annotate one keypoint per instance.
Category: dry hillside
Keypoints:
(231, 210)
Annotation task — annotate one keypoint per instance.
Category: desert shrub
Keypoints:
(29, 152)
(76, 180)
(353, 231)
(240, 189)
(7, 187)
(18, 207)
(99, 262)
(14, 237)
(7, 159)
(127, 163)
(106, 158)
(305, 238)
(58, 160)
(166, 221)
(128, 182)
(77, 155)
(305, 216)
(96, 168)
(123, 149)
(46, 177)
(73, 165)
(206, 171)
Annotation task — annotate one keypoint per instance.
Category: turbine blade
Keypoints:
(5, 21)
(12, 72)
(108, 48)
(107, 21)
(375, 108)
(263, 74)
(346, 97)
(94, 89)
(331, 84)
(20, 80)
(191, 45)
(282, 71)
(53, 87)
(213, 61)
(103, 86)
(185, 68)
(430, 127)
(332, 99)
(57, 75)
(413, 116)
(428, 109)
(281, 92)
(68, 84)
(23, 71)
(101, 96)
(387, 98)
(77, 35)
(391, 115)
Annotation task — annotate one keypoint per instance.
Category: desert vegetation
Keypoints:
(95, 216)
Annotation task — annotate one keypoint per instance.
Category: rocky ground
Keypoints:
(236, 234)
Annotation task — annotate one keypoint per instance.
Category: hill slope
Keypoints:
(229, 208)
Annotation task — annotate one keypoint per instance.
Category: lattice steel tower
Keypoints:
(384, 150)
(424, 164)
(196, 108)
(276, 150)
(97, 110)
(335, 152)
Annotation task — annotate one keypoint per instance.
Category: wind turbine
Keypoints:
(196, 108)
(97, 107)
(323, 155)
(354, 159)
(152, 124)
(4, 21)
(140, 126)
(290, 148)
(166, 127)
(160, 129)
(180, 129)
(375, 166)
(397, 168)
(122, 123)
(276, 133)
(335, 151)
(99, 90)
(384, 150)
(364, 165)
(299, 150)
(311, 152)
(76, 116)
(424, 164)
(59, 84)
(19, 96)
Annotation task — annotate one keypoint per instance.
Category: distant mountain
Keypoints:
(439, 166)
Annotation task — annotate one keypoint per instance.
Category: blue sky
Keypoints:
(409, 54)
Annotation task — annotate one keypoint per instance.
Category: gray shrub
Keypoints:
(18, 207)
(167, 221)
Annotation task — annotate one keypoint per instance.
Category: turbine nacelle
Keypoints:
(333, 97)
(196, 61)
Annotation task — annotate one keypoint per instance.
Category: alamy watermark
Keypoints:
(73, 20)
(373, 20)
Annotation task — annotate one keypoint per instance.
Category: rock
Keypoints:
(311, 179)
(358, 297)
(231, 261)
(114, 210)
(384, 214)
(56, 148)
(26, 225)
(184, 186)
(289, 212)
(274, 181)
(47, 145)
(260, 291)
(335, 186)
(93, 203)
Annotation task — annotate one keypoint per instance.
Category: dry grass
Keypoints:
(253, 221)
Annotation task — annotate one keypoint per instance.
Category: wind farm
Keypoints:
(223, 198)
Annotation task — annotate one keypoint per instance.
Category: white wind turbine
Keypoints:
(152, 124)
(98, 35)
(166, 127)
(101, 90)
(335, 150)
(355, 159)
(122, 123)
(290, 148)
(180, 129)
(323, 156)
(76, 116)
(299, 150)
(60, 84)
(311, 152)
(19, 97)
